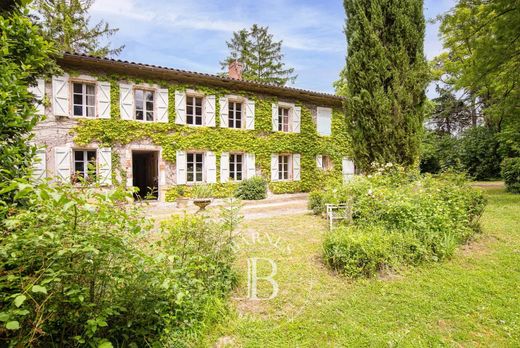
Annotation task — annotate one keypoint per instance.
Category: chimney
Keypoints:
(235, 70)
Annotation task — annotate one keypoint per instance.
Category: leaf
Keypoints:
(4, 316)
(12, 325)
(106, 345)
(39, 288)
(19, 300)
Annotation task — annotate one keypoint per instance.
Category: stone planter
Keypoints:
(182, 202)
(202, 203)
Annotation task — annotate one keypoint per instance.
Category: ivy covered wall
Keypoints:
(261, 141)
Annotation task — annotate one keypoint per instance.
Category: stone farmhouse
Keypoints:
(163, 130)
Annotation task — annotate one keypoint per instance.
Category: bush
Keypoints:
(511, 174)
(440, 152)
(78, 268)
(479, 153)
(316, 202)
(254, 188)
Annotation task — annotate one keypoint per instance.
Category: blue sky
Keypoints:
(191, 35)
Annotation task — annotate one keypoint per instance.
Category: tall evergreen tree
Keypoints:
(261, 57)
(384, 80)
(66, 22)
(451, 114)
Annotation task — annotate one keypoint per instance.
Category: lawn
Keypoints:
(471, 300)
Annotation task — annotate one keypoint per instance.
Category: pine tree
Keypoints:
(66, 22)
(451, 115)
(261, 57)
(384, 80)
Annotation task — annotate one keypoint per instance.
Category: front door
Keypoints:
(145, 174)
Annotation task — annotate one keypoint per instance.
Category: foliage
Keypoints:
(261, 57)
(78, 267)
(440, 153)
(451, 115)
(384, 80)
(254, 188)
(479, 153)
(218, 190)
(316, 203)
(401, 217)
(66, 22)
(24, 56)
(511, 174)
(201, 191)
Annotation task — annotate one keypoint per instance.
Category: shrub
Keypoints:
(254, 188)
(316, 203)
(479, 153)
(511, 174)
(78, 268)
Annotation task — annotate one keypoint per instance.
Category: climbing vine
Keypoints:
(261, 141)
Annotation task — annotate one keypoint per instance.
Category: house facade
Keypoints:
(164, 130)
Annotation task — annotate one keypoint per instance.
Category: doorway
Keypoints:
(145, 172)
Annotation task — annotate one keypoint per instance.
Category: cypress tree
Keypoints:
(384, 80)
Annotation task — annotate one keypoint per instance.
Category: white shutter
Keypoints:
(60, 95)
(103, 99)
(297, 111)
(126, 101)
(274, 117)
(39, 167)
(250, 114)
(162, 105)
(319, 161)
(274, 167)
(296, 168)
(105, 166)
(250, 165)
(224, 111)
(348, 169)
(209, 111)
(324, 121)
(38, 91)
(224, 167)
(211, 167)
(62, 163)
(180, 107)
(180, 164)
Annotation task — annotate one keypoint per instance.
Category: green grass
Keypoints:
(471, 300)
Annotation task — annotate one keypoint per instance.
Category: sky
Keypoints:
(192, 35)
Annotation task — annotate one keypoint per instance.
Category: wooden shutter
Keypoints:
(296, 166)
(104, 155)
(209, 111)
(319, 161)
(39, 167)
(224, 112)
(224, 167)
(162, 105)
(250, 114)
(60, 95)
(211, 167)
(180, 166)
(348, 169)
(180, 107)
(126, 101)
(103, 99)
(324, 121)
(274, 167)
(38, 91)
(250, 165)
(297, 111)
(274, 117)
(62, 163)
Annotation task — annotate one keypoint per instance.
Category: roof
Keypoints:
(88, 62)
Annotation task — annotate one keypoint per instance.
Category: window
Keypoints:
(235, 115)
(83, 99)
(144, 105)
(283, 119)
(236, 166)
(194, 111)
(326, 163)
(283, 167)
(194, 165)
(84, 165)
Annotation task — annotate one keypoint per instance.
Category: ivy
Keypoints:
(261, 141)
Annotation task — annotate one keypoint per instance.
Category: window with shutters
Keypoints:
(284, 167)
(194, 167)
(194, 110)
(283, 119)
(83, 99)
(236, 166)
(326, 163)
(84, 165)
(235, 114)
(144, 105)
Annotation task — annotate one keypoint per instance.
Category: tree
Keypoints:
(261, 57)
(24, 56)
(451, 115)
(384, 80)
(66, 22)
